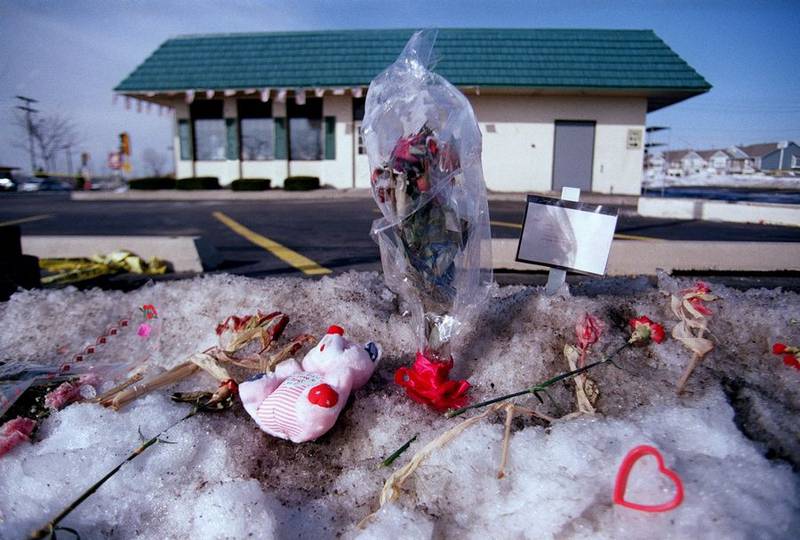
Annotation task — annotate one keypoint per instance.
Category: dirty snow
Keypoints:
(756, 180)
(733, 437)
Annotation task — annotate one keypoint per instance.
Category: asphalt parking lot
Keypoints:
(333, 233)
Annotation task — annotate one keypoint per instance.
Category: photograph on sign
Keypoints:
(568, 235)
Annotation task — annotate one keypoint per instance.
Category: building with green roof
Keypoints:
(556, 107)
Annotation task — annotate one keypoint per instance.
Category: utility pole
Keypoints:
(29, 122)
(68, 149)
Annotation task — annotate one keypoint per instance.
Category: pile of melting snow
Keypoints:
(733, 437)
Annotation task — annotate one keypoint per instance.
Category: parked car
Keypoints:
(45, 184)
(7, 184)
(53, 184)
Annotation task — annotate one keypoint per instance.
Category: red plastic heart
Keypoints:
(625, 470)
(323, 395)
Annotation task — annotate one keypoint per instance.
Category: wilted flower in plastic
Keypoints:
(645, 330)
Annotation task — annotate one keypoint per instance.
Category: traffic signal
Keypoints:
(124, 144)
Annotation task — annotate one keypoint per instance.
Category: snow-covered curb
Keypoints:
(224, 478)
(711, 210)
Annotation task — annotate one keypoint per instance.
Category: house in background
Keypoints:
(739, 162)
(764, 157)
(773, 157)
(684, 162)
(555, 107)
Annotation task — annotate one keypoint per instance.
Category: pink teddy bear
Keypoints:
(301, 401)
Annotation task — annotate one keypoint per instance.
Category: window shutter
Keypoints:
(232, 135)
(330, 137)
(280, 138)
(185, 139)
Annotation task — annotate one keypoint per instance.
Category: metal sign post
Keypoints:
(556, 277)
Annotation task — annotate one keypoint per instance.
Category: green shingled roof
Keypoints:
(522, 58)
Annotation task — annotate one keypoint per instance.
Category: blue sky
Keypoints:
(70, 54)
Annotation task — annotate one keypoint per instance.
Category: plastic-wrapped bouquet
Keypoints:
(424, 148)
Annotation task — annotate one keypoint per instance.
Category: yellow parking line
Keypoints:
(304, 264)
(618, 236)
(26, 220)
(506, 224)
(621, 236)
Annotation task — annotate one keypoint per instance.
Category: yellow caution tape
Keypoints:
(80, 269)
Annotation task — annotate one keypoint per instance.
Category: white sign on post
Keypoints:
(567, 235)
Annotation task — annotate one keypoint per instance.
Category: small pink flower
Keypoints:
(62, 396)
(15, 432)
(144, 330)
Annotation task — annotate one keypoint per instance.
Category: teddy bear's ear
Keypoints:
(373, 350)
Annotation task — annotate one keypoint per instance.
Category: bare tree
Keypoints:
(154, 162)
(52, 134)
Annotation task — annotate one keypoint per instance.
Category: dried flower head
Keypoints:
(588, 330)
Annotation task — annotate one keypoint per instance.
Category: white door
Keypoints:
(360, 162)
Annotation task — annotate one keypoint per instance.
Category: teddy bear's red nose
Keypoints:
(323, 395)
(336, 330)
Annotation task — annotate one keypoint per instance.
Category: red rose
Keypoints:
(778, 348)
(791, 361)
(645, 330)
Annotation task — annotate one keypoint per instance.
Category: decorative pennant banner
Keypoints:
(357, 92)
(189, 96)
(300, 96)
(338, 91)
(281, 97)
(567, 235)
(264, 95)
(229, 93)
(209, 94)
(319, 92)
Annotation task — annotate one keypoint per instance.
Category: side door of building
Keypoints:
(573, 154)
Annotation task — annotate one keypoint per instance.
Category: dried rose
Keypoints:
(588, 330)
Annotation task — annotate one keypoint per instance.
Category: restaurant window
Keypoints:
(209, 130)
(257, 130)
(358, 117)
(305, 130)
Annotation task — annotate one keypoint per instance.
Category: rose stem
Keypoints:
(539, 387)
(51, 525)
(693, 363)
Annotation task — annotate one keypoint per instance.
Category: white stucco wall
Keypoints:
(518, 137)
(518, 155)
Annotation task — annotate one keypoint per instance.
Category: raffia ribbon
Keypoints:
(691, 330)
(65, 270)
